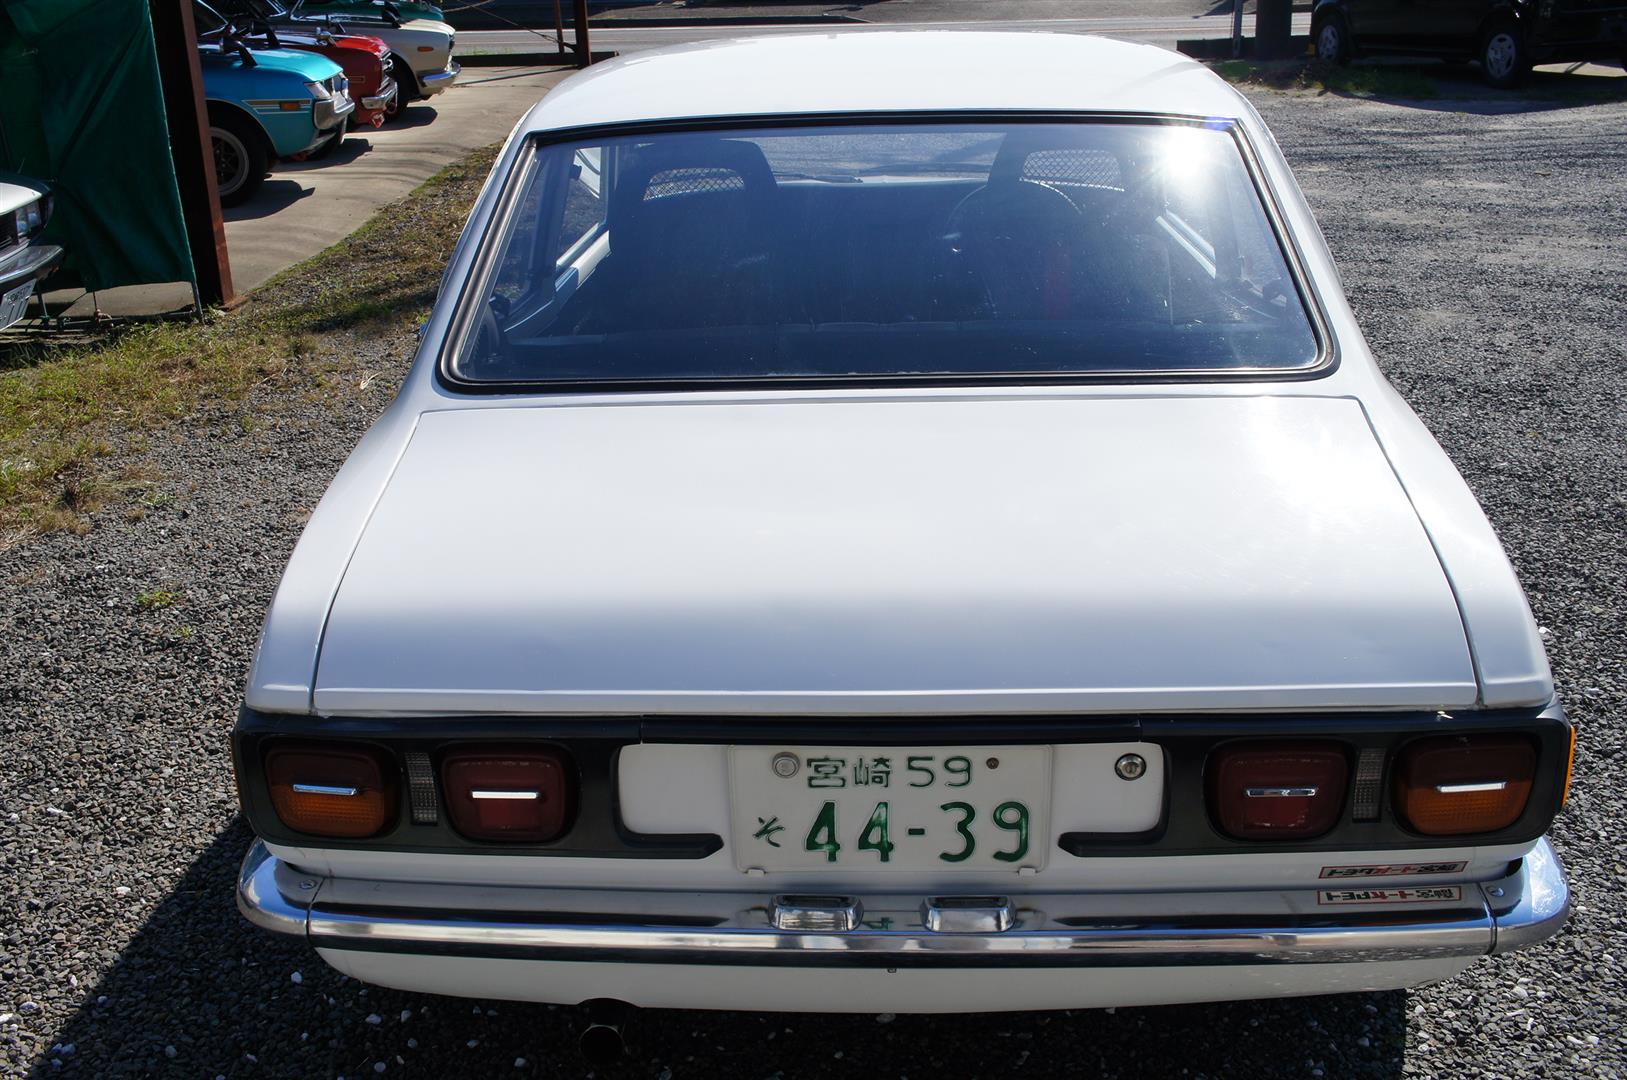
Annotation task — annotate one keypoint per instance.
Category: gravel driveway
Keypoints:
(1486, 254)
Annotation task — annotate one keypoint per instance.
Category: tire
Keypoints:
(1502, 56)
(241, 159)
(406, 84)
(1332, 39)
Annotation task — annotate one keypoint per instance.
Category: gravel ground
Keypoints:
(1483, 247)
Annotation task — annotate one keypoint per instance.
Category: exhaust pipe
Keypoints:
(603, 1041)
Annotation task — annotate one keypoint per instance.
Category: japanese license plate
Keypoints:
(890, 807)
(14, 303)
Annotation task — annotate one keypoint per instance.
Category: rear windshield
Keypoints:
(886, 251)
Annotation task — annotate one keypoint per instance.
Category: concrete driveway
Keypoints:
(305, 207)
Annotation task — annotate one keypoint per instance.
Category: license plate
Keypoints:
(15, 303)
(890, 807)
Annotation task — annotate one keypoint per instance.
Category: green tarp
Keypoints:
(84, 112)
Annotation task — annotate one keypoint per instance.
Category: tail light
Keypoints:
(1453, 785)
(506, 793)
(336, 790)
(1277, 791)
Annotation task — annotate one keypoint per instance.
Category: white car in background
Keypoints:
(25, 209)
(859, 540)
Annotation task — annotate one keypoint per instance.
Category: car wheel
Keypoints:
(406, 86)
(1503, 62)
(1333, 40)
(240, 158)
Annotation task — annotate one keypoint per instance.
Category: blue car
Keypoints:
(265, 104)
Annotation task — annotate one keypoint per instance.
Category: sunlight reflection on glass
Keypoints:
(1185, 155)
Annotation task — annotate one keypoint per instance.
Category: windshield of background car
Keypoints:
(859, 253)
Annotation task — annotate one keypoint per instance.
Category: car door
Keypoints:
(1445, 27)
(1376, 25)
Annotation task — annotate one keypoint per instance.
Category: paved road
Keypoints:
(1164, 30)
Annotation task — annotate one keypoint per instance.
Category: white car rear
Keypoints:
(854, 540)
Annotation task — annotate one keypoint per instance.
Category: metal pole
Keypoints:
(1237, 28)
(584, 49)
(559, 29)
(176, 40)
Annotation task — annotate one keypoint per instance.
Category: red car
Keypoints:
(365, 60)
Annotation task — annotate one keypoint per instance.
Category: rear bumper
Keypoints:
(578, 929)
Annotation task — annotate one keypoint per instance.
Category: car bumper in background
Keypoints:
(436, 81)
(329, 113)
(18, 275)
(30, 264)
(380, 101)
(573, 945)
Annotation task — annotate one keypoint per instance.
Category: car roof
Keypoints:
(856, 70)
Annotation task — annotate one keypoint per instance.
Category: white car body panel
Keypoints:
(1509, 663)
(884, 557)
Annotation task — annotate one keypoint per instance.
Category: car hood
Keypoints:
(309, 66)
(18, 191)
(900, 556)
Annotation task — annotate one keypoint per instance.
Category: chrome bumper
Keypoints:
(1143, 930)
(382, 99)
(328, 112)
(436, 81)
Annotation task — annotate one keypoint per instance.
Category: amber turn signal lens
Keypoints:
(1277, 791)
(1455, 785)
(1570, 768)
(339, 790)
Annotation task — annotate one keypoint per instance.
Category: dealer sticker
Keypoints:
(1426, 895)
(1393, 870)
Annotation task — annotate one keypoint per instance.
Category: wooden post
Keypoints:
(193, 151)
(584, 48)
(1237, 28)
(1273, 29)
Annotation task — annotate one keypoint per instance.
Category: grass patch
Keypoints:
(1355, 80)
(157, 599)
(62, 413)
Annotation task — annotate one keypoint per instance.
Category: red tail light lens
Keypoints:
(339, 790)
(520, 795)
(1453, 785)
(1277, 791)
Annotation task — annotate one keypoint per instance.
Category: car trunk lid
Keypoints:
(902, 556)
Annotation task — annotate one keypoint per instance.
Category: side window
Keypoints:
(584, 200)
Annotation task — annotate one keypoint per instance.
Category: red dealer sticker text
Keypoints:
(1426, 894)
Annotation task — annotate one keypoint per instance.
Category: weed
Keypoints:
(157, 599)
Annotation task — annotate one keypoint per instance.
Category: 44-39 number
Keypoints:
(877, 832)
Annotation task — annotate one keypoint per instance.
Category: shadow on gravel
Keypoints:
(200, 993)
(1458, 88)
